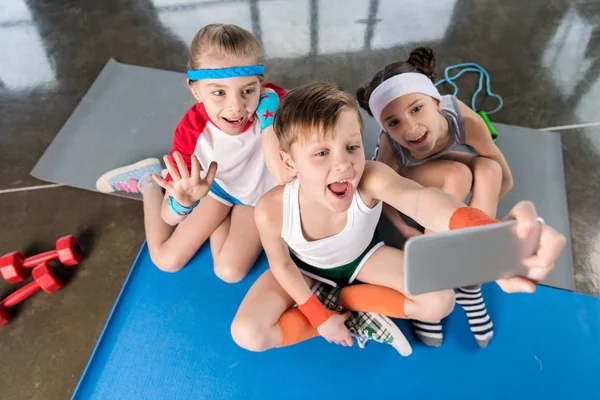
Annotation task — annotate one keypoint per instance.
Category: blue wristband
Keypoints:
(180, 210)
(266, 109)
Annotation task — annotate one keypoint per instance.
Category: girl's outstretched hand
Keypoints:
(186, 188)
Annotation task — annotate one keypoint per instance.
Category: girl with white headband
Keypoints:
(420, 131)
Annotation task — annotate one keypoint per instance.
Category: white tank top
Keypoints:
(336, 250)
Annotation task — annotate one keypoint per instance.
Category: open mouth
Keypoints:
(233, 122)
(420, 139)
(340, 189)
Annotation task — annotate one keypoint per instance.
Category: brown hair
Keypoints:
(310, 109)
(421, 60)
(218, 40)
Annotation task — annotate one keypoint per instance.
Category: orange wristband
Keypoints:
(465, 217)
(314, 311)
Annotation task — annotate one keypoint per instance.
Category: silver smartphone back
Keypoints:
(465, 257)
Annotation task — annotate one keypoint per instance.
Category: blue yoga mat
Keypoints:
(168, 338)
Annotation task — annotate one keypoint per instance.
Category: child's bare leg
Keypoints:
(487, 182)
(386, 268)
(455, 178)
(235, 244)
(172, 247)
(157, 230)
(452, 177)
(255, 326)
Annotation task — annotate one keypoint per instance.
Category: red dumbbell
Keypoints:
(13, 265)
(44, 279)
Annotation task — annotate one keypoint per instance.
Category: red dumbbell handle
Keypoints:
(20, 295)
(33, 261)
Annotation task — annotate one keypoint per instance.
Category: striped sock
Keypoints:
(430, 333)
(471, 300)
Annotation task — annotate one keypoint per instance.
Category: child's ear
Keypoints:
(195, 89)
(288, 163)
(438, 103)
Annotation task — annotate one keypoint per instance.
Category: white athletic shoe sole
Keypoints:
(102, 183)
(400, 342)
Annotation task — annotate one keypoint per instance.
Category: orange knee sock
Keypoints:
(373, 298)
(295, 328)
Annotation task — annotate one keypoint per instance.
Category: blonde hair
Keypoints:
(218, 40)
(309, 110)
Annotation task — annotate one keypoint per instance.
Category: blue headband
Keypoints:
(220, 73)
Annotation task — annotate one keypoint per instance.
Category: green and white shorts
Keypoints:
(340, 275)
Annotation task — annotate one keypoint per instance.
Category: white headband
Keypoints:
(399, 85)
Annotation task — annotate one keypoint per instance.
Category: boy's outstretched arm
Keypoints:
(429, 207)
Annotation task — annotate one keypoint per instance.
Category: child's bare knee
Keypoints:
(436, 306)
(458, 180)
(486, 169)
(229, 272)
(165, 262)
(247, 334)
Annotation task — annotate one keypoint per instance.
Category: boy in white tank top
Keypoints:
(326, 219)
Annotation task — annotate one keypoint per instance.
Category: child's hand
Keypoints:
(186, 188)
(334, 330)
(540, 264)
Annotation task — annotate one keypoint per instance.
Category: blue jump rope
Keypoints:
(483, 76)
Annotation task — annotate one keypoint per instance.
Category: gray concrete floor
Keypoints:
(543, 56)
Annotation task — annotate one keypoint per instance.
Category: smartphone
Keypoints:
(465, 257)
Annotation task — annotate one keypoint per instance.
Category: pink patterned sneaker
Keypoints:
(128, 178)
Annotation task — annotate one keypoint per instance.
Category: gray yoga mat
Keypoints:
(130, 112)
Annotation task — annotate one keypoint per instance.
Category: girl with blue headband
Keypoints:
(217, 169)
(420, 130)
